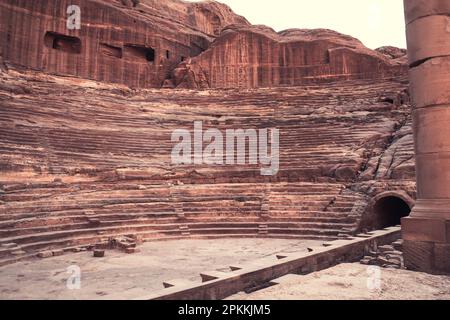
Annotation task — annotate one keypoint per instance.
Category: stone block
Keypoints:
(415, 9)
(211, 275)
(432, 129)
(58, 252)
(432, 180)
(385, 248)
(418, 255)
(429, 83)
(131, 250)
(424, 229)
(99, 253)
(442, 257)
(45, 254)
(398, 245)
(427, 38)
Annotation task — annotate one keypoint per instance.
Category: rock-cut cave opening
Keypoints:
(388, 212)
(62, 42)
(140, 52)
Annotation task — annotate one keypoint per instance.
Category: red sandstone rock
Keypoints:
(146, 41)
(398, 55)
(392, 52)
(82, 162)
(45, 254)
(257, 56)
(131, 250)
(136, 45)
(109, 146)
(58, 252)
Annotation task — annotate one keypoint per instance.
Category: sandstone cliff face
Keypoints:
(136, 45)
(208, 17)
(150, 43)
(256, 56)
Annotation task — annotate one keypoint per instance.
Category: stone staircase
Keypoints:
(38, 218)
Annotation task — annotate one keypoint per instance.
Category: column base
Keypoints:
(426, 245)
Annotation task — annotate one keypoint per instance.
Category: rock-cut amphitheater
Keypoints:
(86, 117)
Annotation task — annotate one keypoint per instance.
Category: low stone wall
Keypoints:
(219, 285)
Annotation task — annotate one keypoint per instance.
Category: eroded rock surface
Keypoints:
(247, 56)
(136, 43)
(172, 43)
(83, 161)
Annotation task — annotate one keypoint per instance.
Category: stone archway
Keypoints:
(385, 210)
(388, 208)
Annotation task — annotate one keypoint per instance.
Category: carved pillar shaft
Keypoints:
(426, 232)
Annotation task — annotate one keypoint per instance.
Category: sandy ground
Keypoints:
(123, 276)
(351, 281)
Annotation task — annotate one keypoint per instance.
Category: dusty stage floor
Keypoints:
(349, 281)
(128, 276)
(123, 276)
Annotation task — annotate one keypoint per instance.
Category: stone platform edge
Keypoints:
(218, 285)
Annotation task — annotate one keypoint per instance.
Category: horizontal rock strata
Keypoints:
(82, 162)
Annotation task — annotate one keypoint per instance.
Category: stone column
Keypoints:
(426, 232)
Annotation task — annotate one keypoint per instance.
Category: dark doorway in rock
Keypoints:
(150, 55)
(327, 57)
(62, 42)
(388, 212)
(136, 52)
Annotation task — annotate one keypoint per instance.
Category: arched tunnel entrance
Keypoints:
(388, 211)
